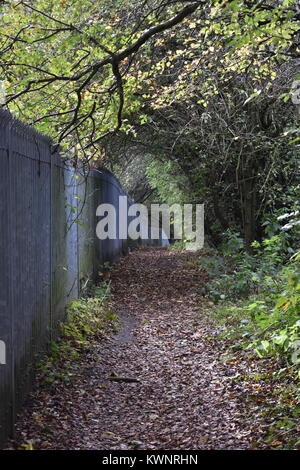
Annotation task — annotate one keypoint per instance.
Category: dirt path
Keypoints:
(185, 397)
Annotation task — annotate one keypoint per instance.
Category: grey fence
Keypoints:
(48, 249)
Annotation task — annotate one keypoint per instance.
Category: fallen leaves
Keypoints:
(161, 382)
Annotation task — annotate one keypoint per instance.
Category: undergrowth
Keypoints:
(87, 319)
(257, 295)
(256, 307)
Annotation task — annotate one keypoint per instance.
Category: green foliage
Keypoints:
(215, 114)
(285, 223)
(267, 315)
(167, 180)
(177, 245)
(87, 319)
(208, 100)
(266, 324)
(64, 63)
(278, 317)
(235, 273)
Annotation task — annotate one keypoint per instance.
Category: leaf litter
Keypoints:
(178, 385)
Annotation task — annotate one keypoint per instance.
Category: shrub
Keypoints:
(87, 319)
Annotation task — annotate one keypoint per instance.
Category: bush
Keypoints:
(237, 274)
(259, 293)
